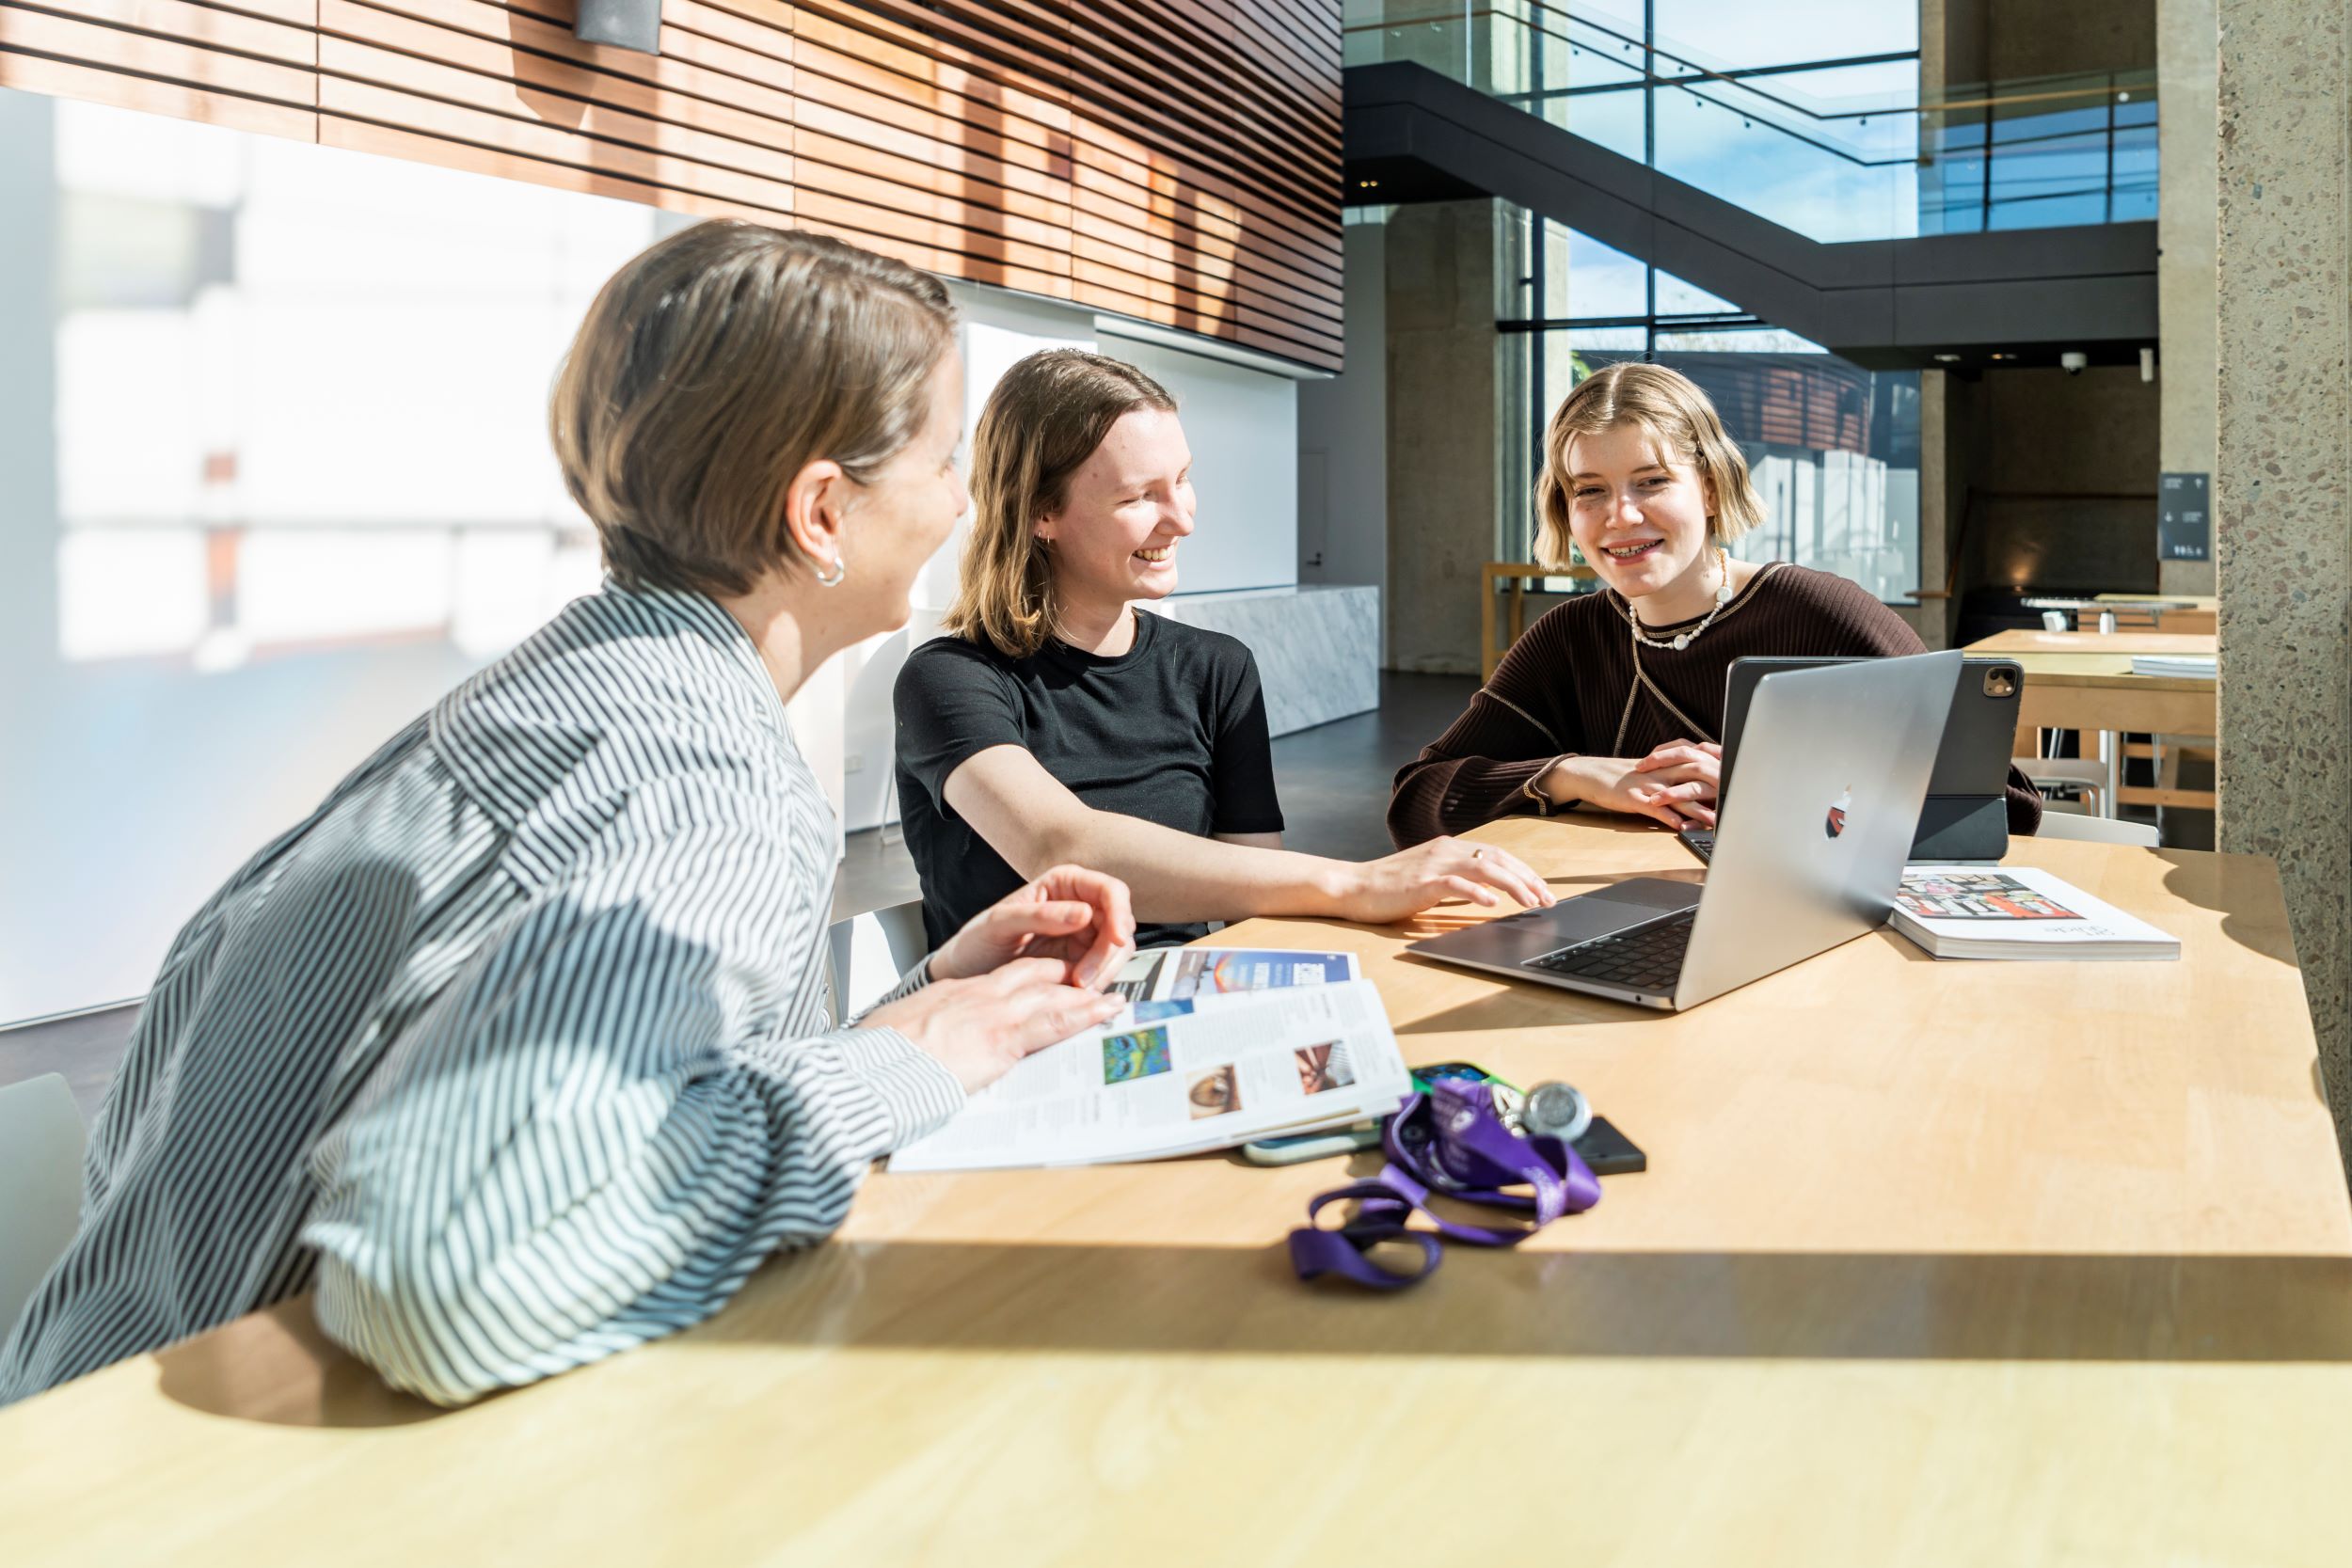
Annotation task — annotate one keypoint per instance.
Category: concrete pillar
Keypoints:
(2283, 478)
(1444, 426)
(2187, 48)
(1931, 617)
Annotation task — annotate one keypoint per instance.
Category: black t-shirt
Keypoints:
(1174, 732)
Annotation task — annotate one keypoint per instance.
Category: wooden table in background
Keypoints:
(2083, 681)
(1518, 573)
(2171, 612)
(1935, 1263)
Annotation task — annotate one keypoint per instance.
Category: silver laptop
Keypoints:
(1833, 765)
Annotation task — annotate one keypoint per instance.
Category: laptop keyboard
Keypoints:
(1650, 959)
(1701, 842)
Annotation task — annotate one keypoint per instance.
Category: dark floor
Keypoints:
(1334, 780)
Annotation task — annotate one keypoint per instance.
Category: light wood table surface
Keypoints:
(2083, 681)
(1935, 1263)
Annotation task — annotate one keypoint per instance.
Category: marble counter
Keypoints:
(1318, 648)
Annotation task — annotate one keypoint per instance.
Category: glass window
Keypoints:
(1737, 340)
(1801, 175)
(1600, 282)
(1740, 33)
(1612, 118)
(1678, 298)
(1832, 448)
(1820, 127)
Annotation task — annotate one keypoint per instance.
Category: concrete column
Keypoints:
(2187, 49)
(1444, 426)
(2283, 478)
(1932, 618)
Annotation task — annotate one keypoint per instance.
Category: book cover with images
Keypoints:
(2017, 912)
(1978, 896)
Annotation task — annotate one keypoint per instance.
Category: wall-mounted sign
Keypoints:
(2184, 517)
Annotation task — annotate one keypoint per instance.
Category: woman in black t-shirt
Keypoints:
(1054, 725)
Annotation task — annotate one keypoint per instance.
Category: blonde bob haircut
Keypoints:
(712, 369)
(1044, 418)
(1677, 416)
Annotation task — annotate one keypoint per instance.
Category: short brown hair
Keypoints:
(1042, 422)
(713, 368)
(1676, 414)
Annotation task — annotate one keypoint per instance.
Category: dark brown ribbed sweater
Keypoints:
(1563, 686)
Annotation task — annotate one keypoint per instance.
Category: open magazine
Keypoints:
(1180, 973)
(1180, 1074)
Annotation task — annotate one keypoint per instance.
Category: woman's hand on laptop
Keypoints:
(1402, 885)
(1667, 793)
(1681, 763)
(1083, 918)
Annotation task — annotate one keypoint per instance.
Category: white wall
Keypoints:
(1243, 426)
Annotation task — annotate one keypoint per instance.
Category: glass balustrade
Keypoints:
(1839, 145)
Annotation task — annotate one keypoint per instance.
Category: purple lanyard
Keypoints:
(1451, 1143)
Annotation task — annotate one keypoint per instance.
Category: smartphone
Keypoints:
(1607, 1151)
(1296, 1147)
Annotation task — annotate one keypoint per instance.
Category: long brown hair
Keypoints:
(1671, 407)
(1041, 425)
(715, 366)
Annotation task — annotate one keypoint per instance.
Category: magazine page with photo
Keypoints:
(1182, 1076)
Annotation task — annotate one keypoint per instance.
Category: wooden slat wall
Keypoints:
(1177, 161)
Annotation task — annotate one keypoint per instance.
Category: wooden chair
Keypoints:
(1518, 574)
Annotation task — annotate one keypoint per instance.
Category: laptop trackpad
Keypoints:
(1531, 933)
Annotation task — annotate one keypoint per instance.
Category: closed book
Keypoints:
(2176, 666)
(1960, 912)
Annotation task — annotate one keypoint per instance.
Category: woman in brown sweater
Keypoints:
(1615, 699)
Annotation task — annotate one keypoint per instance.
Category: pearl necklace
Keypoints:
(1684, 639)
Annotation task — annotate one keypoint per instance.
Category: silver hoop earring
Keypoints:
(840, 570)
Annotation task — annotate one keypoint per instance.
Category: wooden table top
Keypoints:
(1934, 1261)
(2098, 658)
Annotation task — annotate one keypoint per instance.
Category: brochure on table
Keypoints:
(1258, 1044)
(1962, 911)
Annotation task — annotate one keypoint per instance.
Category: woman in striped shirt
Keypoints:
(516, 1051)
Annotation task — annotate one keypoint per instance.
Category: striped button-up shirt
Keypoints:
(514, 1051)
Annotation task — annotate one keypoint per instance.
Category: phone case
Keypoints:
(1607, 1151)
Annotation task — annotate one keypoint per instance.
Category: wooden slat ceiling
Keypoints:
(1176, 161)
